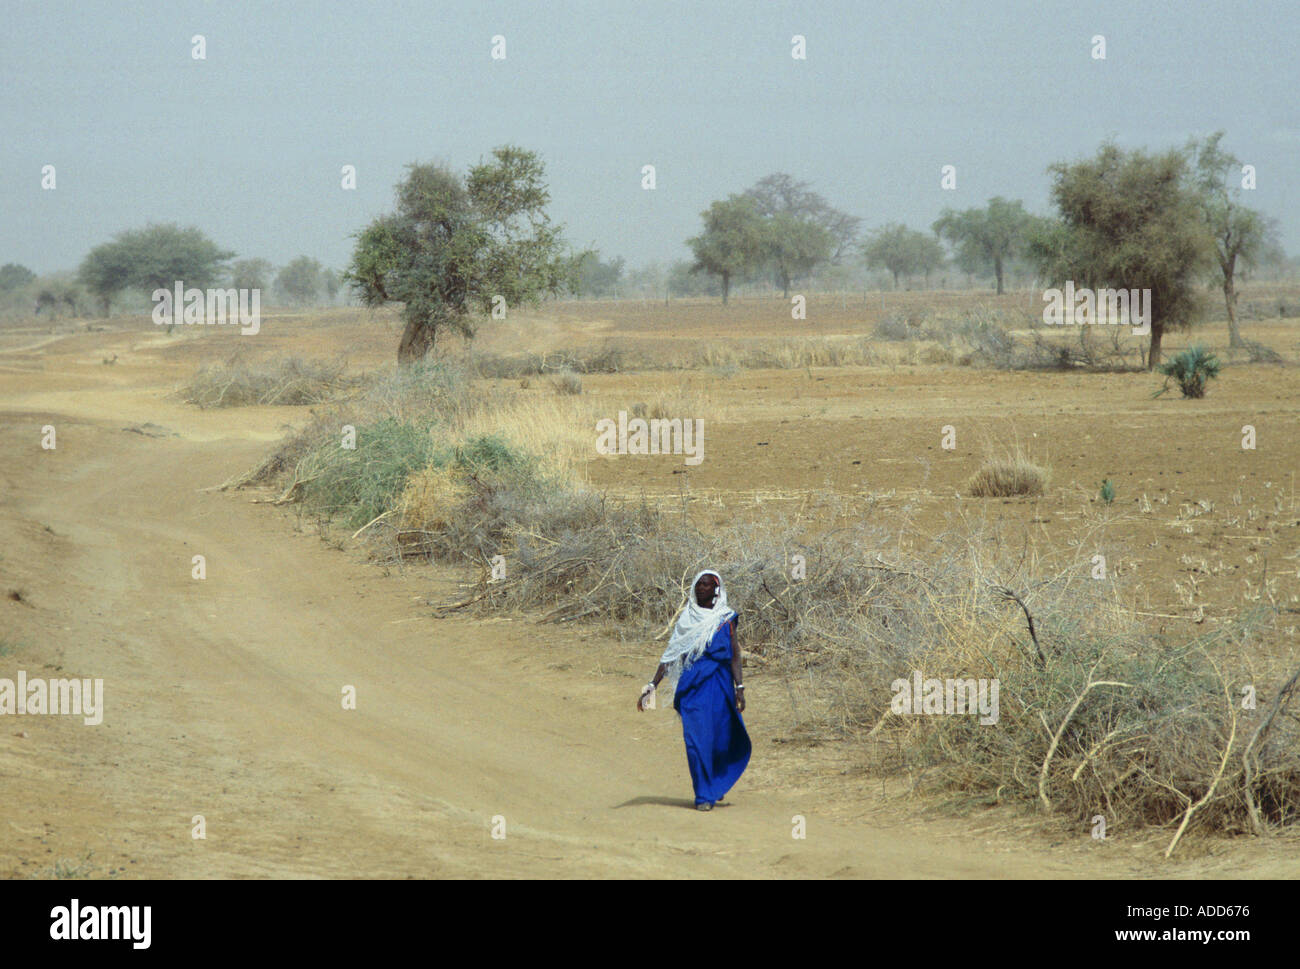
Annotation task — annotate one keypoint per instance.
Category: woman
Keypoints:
(703, 657)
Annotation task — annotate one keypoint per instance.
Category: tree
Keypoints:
(684, 280)
(455, 245)
(155, 257)
(986, 239)
(733, 243)
(597, 278)
(795, 245)
(902, 251)
(14, 276)
(301, 281)
(781, 194)
(59, 290)
(251, 274)
(1243, 237)
(105, 272)
(331, 280)
(1130, 220)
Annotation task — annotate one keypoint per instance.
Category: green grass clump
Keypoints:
(357, 485)
(1192, 368)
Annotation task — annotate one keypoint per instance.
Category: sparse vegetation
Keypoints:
(1191, 369)
(568, 383)
(1010, 476)
(238, 382)
(1135, 722)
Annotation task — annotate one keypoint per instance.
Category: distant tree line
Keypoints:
(133, 264)
(457, 247)
(1131, 220)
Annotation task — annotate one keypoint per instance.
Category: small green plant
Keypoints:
(1192, 368)
(69, 868)
(1107, 491)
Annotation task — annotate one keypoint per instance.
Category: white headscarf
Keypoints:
(695, 628)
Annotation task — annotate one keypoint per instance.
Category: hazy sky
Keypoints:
(248, 144)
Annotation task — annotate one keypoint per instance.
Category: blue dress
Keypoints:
(717, 746)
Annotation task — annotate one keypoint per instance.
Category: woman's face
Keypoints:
(705, 590)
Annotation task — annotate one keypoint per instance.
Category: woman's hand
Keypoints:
(740, 699)
(646, 691)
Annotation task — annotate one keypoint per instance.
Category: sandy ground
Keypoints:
(223, 695)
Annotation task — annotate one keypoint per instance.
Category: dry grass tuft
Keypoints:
(1014, 476)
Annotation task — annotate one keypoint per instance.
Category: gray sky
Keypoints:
(248, 144)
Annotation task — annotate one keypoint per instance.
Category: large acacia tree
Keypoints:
(780, 194)
(155, 257)
(734, 243)
(794, 247)
(1130, 220)
(455, 244)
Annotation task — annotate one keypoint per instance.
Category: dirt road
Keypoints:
(223, 698)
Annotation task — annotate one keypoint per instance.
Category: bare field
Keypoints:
(226, 704)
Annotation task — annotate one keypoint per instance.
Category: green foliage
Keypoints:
(495, 465)
(794, 245)
(597, 278)
(1130, 220)
(902, 251)
(734, 242)
(332, 282)
(302, 281)
(1192, 369)
(781, 195)
(490, 453)
(359, 484)
(986, 239)
(454, 244)
(683, 280)
(155, 257)
(251, 274)
(1241, 235)
(13, 276)
(1107, 491)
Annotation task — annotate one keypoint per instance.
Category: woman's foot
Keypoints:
(704, 806)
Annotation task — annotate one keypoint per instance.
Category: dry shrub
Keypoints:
(432, 498)
(1097, 715)
(1257, 352)
(568, 383)
(679, 402)
(285, 380)
(1011, 476)
(606, 358)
